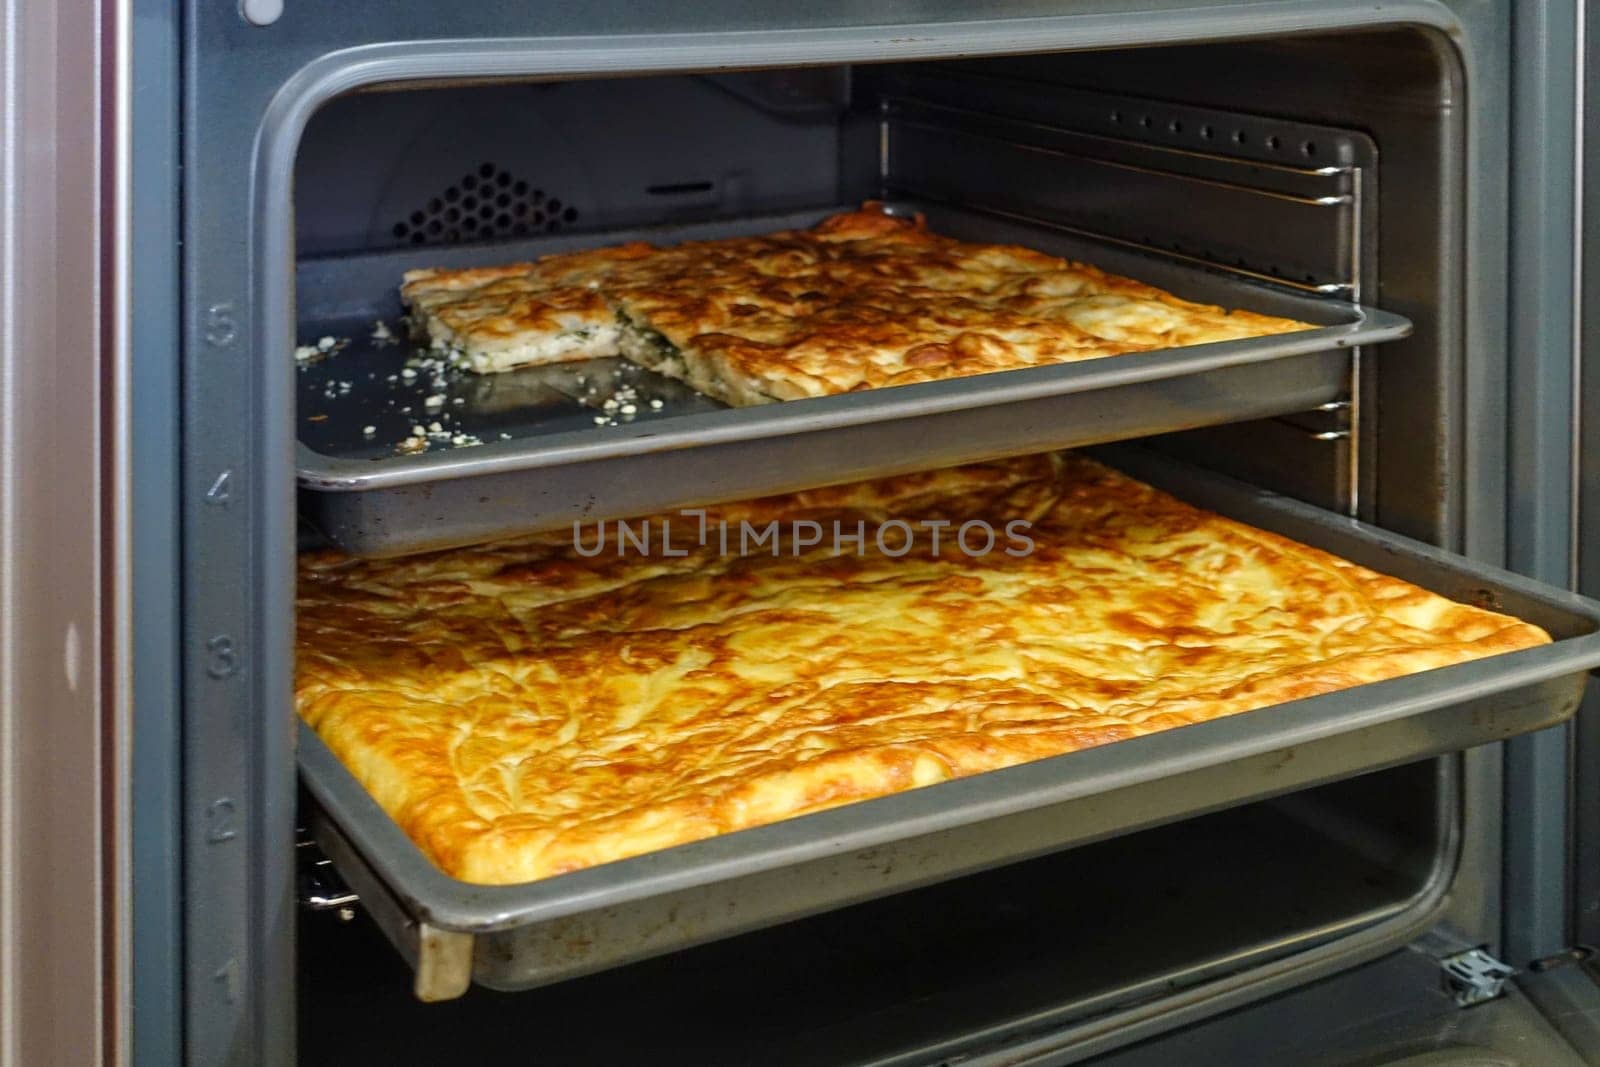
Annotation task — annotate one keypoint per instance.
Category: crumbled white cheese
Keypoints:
(418, 431)
(381, 337)
(368, 431)
(325, 346)
(621, 402)
(434, 401)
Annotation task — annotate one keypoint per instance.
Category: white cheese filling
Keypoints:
(587, 343)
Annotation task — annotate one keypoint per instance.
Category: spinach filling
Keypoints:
(652, 348)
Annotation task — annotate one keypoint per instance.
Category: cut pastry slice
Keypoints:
(504, 326)
(492, 319)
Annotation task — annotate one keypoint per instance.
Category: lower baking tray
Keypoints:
(517, 937)
(545, 463)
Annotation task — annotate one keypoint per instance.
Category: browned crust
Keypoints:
(523, 711)
(862, 301)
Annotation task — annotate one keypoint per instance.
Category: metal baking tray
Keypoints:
(545, 463)
(517, 937)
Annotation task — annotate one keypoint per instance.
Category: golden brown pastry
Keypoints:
(525, 709)
(861, 301)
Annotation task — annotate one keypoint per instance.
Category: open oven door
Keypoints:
(1554, 784)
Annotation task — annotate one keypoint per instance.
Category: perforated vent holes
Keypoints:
(1175, 129)
(486, 204)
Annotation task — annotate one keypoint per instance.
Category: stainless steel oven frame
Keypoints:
(219, 104)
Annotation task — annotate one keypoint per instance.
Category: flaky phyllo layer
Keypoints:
(524, 709)
(861, 301)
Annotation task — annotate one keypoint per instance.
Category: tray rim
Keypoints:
(449, 903)
(320, 472)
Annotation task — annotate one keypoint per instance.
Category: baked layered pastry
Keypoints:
(861, 301)
(541, 706)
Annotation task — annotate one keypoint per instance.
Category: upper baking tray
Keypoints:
(546, 463)
(512, 937)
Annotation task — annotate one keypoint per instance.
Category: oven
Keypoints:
(1386, 872)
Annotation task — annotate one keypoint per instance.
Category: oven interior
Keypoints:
(1058, 939)
(937, 971)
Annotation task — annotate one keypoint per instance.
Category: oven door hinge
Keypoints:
(1474, 977)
